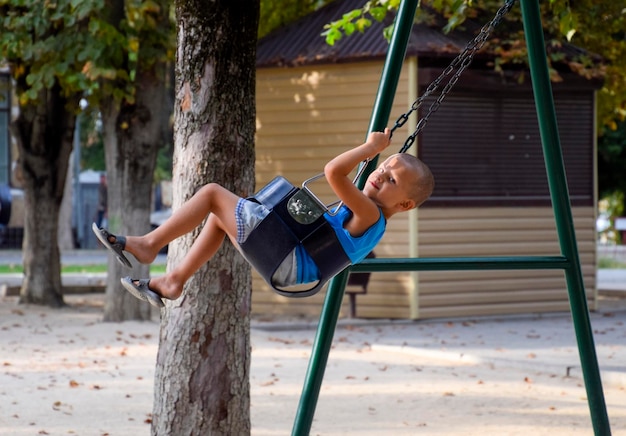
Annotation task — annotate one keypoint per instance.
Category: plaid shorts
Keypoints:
(248, 215)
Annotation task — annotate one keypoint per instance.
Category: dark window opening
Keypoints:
(484, 148)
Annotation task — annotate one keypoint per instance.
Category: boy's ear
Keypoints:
(407, 204)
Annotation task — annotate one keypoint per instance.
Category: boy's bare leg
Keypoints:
(211, 198)
(221, 222)
(202, 250)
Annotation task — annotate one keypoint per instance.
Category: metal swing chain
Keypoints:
(462, 61)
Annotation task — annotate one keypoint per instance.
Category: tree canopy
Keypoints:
(69, 42)
(46, 43)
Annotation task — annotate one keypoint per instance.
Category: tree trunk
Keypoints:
(203, 363)
(44, 131)
(132, 138)
(133, 134)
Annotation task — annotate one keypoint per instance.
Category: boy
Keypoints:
(402, 182)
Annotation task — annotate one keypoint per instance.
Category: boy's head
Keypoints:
(421, 187)
(400, 183)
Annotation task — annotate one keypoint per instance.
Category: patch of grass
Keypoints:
(610, 263)
(10, 269)
(86, 269)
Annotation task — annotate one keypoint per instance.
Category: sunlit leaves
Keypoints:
(567, 23)
(359, 20)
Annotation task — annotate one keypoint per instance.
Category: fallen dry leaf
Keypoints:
(281, 340)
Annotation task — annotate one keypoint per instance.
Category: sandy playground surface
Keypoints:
(64, 372)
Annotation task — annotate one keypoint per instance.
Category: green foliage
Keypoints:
(46, 43)
(359, 20)
(600, 27)
(67, 42)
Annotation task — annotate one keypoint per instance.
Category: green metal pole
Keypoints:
(397, 264)
(563, 213)
(334, 295)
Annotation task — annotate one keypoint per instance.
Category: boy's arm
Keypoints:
(337, 172)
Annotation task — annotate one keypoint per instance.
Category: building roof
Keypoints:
(301, 42)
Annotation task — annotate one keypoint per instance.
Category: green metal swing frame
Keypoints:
(568, 260)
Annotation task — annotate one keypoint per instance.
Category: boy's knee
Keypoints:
(212, 193)
(210, 189)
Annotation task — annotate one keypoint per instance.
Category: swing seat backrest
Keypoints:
(294, 219)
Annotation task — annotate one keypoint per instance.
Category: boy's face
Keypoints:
(387, 185)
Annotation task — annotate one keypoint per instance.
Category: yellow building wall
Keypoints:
(500, 231)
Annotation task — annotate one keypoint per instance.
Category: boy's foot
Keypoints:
(116, 246)
(140, 288)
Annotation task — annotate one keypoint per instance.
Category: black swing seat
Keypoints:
(296, 217)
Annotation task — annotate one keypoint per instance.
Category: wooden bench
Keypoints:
(357, 284)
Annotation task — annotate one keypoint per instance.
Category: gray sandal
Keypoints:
(140, 288)
(116, 247)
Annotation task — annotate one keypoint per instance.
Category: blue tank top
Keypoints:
(355, 247)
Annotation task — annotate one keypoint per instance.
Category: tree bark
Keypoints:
(44, 132)
(133, 134)
(203, 363)
(132, 140)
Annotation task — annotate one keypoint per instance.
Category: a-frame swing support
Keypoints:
(568, 260)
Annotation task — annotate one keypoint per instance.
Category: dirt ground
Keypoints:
(64, 372)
